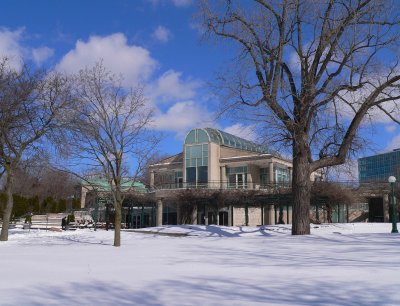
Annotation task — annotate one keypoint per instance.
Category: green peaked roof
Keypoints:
(126, 184)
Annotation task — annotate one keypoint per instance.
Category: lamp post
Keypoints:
(392, 180)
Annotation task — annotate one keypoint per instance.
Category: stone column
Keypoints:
(271, 173)
(224, 179)
(249, 181)
(230, 213)
(83, 196)
(159, 212)
(271, 214)
(152, 179)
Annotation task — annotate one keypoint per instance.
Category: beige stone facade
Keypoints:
(216, 160)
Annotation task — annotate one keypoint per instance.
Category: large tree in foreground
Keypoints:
(111, 131)
(32, 103)
(312, 72)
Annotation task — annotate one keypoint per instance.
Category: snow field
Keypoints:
(339, 264)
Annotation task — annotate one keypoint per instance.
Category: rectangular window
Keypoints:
(205, 150)
(238, 180)
(178, 179)
(191, 175)
(232, 181)
(281, 176)
(196, 151)
(235, 170)
(202, 174)
(264, 176)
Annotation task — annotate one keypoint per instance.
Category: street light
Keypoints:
(392, 180)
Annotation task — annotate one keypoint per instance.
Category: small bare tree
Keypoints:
(31, 104)
(310, 72)
(111, 131)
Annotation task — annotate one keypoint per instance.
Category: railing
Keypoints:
(222, 185)
(258, 186)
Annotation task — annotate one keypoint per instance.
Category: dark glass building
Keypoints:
(379, 167)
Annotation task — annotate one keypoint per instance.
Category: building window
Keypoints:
(379, 167)
(237, 177)
(196, 136)
(191, 175)
(164, 179)
(202, 174)
(196, 159)
(281, 176)
(264, 177)
(178, 179)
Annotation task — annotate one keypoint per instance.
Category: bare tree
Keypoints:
(154, 158)
(31, 104)
(111, 131)
(36, 177)
(311, 72)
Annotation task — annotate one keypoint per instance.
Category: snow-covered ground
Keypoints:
(341, 264)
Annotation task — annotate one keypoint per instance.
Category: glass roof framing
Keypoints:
(226, 139)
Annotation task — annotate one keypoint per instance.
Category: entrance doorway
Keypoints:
(211, 218)
(223, 218)
(375, 210)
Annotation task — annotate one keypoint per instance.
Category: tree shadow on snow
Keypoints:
(230, 232)
(209, 291)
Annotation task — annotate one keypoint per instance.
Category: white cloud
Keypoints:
(182, 116)
(40, 55)
(240, 130)
(10, 46)
(357, 98)
(182, 3)
(390, 128)
(133, 62)
(136, 65)
(171, 86)
(177, 3)
(162, 34)
(393, 144)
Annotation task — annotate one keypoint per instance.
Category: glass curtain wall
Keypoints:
(379, 167)
(196, 157)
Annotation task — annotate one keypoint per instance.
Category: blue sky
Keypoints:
(154, 42)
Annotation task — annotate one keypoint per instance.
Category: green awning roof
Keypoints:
(126, 184)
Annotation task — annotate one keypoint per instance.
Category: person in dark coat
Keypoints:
(64, 223)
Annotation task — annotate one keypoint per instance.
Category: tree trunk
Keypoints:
(9, 206)
(117, 223)
(301, 189)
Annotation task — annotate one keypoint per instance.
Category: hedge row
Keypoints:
(25, 205)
